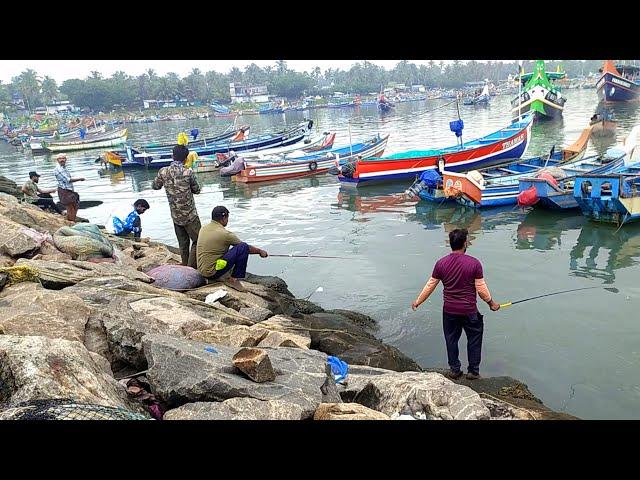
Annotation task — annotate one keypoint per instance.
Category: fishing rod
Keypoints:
(508, 304)
(306, 256)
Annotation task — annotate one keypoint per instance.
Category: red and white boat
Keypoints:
(508, 143)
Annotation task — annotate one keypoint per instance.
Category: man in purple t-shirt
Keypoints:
(462, 278)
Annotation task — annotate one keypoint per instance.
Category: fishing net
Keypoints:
(20, 273)
(82, 242)
(65, 409)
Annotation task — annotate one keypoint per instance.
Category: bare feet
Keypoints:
(235, 284)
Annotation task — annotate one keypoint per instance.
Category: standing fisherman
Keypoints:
(462, 278)
(68, 197)
(180, 184)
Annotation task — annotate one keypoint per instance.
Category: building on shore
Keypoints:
(248, 94)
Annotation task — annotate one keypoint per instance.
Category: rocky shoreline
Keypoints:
(101, 335)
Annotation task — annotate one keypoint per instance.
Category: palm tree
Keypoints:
(28, 84)
(49, 89)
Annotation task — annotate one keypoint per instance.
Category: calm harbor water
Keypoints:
(579, 352)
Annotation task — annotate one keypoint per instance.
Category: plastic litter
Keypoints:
(215, 296)
(339, 368)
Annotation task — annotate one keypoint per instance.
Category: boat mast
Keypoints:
(519, 87)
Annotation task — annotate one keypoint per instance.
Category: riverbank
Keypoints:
(71, 330)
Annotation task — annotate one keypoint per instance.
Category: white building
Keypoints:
(61, 106)
(242, 94)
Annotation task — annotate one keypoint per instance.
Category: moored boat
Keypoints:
(618, 83)
(539, 95)
(310, 164)
(508, 143)
(101, 140)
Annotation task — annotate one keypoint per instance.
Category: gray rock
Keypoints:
(36, 368)
(17, 240)
(237, 409)
(255, 364)
(182, 371)
(28, 309)
(414, 393)
(284, 332)
(273, 283)
(255, 313)
(230, 335)
(347, 411)
(234, 299)
(33, 217)
(58, 275)
(360, 319)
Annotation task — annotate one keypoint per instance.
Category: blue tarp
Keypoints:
(339, 368)
(431, 178)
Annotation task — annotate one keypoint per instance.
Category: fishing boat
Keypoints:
(210, 164)
(615, 197)
(500, 185)
(539, 95)
(310, 164)
(556, 192)
(618, 83)
(162, 158)
(507, 143)
(481, 99)
(100, 140)
(235, 134)
(35, 143)
(217, 108)
(603, 124)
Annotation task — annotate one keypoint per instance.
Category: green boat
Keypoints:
(539, 94)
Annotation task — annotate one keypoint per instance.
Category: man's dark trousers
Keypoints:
(237, 258)
(473, 327)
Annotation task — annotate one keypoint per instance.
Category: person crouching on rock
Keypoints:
(215, 258)
(180, 184)
(68, 198)
(38, 196)
(463, 279)
(132, 224)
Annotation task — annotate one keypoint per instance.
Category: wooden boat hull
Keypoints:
(508, 143)
(262, 173)
(603, 128)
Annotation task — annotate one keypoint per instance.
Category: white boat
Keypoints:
(102, 140)
(35, 143)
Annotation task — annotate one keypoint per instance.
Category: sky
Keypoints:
(61, 70)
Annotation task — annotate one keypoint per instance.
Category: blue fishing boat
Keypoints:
(618, 83)
(615, 197)
(499, 185)
(161, 158)
(220, 108)
(546, 191)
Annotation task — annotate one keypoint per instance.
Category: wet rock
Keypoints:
(360, 319)
(273, 283)
(58, 275)
(340, 336)
(230, 335)
(347, 411)
(35, 368)
(414, 393)
(28, 309)
(182, 371)
(255, 313)
(237, 409)
(255, 364)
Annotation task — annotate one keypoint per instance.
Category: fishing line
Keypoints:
(508, 304)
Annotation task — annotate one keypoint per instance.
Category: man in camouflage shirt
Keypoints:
(180, 184)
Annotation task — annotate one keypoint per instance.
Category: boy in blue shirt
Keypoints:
(132, 223)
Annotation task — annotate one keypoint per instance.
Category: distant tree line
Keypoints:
(126, 91)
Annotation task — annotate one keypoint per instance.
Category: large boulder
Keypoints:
(418, 394)
(284, 332)
(29, 309)
(182, 371)
(147, 258)
(230, 335)
(58, 275)
(36, 368)
(347, 411)
(17, 240)
(272, 283)
(34, 217)
(237, 409)
(235, 299)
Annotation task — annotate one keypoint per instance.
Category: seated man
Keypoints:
(38, 196)
(215, 259)
(131, 224)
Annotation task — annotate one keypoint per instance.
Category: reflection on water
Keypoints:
(578, 352)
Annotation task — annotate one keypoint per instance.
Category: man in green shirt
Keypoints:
(215, 258)
(38, 196)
